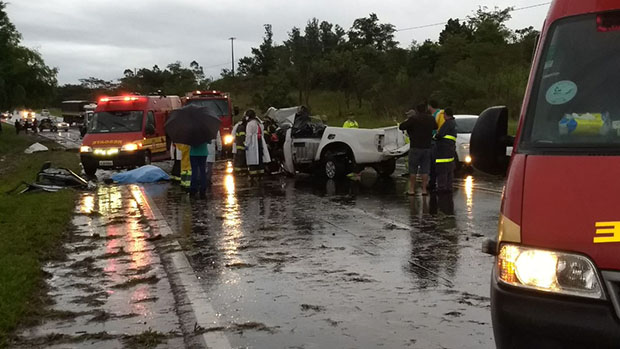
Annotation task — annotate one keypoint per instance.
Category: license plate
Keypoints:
(106, 163)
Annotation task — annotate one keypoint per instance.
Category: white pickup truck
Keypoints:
(335, 151)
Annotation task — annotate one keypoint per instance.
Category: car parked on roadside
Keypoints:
(464, 126)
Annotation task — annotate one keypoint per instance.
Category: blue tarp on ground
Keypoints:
(144, 174)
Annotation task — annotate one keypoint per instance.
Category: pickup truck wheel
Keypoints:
(386, 168)
(333, 167)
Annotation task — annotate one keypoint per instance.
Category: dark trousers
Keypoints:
(445, 176)
(432, 180)
(199, 174)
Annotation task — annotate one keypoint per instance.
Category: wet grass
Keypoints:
(146, 339)
(137, 281)
(31, 226)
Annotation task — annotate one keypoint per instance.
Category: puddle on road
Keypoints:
(109, 287)
(329, 264)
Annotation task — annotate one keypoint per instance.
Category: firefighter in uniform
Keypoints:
(186, 167)
(439, 115)
(238, 147)
(445, 145)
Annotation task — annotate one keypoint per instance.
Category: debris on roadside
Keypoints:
(35, 148)
(52, 179)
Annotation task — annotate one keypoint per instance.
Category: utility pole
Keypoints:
(232, 54)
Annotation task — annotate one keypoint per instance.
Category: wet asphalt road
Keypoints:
(305, 263)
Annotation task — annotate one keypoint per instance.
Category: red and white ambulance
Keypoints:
(127, 131)
(556, 280)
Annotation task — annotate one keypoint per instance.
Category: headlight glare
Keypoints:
(548, 271)
(228, 139)
(130, 147)
(85, 149)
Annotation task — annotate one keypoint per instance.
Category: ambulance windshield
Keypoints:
(217, 106)
(116, 121)
(575, 100)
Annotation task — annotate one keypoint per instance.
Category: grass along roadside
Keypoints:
(31, 225)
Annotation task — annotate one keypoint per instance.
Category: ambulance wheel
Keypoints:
(89, 169)
(333, 166)
(386, 168)
(147, 158)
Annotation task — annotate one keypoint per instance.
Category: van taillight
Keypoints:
(608, 22)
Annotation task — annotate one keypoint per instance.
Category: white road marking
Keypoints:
(203, 310)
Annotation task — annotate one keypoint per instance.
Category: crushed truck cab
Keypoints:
(335, 151)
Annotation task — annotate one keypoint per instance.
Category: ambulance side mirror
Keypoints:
(489, 140)
(236, 110)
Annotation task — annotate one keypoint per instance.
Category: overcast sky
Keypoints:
(102, 38)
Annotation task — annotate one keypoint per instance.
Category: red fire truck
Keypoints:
(127, 131)
(556, 278)
(219, 103)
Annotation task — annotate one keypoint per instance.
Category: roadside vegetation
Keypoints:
(31, 226)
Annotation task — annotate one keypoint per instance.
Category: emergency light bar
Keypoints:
(207, 93)
(120, 99)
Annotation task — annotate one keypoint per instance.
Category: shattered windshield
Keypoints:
(116, 121)
(575, 101)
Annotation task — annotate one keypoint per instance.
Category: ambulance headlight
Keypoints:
(130, 147)
(228, 139)
(86, 149)
(549, 271)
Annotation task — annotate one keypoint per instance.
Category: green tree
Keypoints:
(26, 79)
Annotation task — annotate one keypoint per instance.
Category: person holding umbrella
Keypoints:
(194, 126)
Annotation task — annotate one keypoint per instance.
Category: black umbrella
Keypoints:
(192, 125)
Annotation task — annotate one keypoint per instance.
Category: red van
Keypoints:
(556, 280)
(127, 131)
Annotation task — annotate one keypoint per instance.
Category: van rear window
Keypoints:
(575, 100)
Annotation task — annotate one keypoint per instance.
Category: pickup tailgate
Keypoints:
(394, 142)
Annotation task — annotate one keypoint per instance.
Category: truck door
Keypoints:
(289, 166)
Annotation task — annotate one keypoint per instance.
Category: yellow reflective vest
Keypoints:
(350, 124)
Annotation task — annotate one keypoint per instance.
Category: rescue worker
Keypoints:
(175, 155)
(18, 126)
(214, 147)
(256, 152)
(350, 122)
(438, 114)
(445, 144)
(186, 166)
(238, 146)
